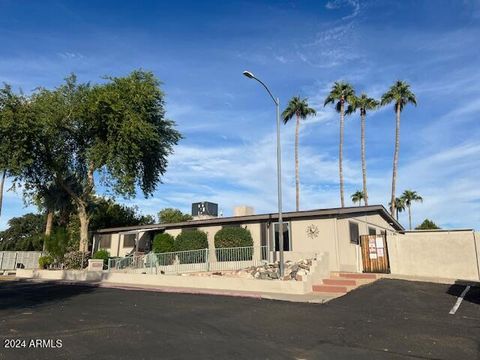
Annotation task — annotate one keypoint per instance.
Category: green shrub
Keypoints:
(163, 243)
(57, 243)
(191, 240)
(45, 261)
(233, 237)
(73, 260)
(102, 255)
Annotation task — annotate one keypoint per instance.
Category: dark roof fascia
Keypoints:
(297, 215)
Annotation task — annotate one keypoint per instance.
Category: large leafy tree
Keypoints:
(400, 95)
(408, 198)
(298, 108)
(24, 233)
(115, 132)
(362, 103)
(357, 197)
(106, 213)
(342, 93)
(27, 232)
(15, 127)
(171, 215)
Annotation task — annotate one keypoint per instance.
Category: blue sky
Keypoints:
(199, 50)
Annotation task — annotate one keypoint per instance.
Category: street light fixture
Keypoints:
(249, 75)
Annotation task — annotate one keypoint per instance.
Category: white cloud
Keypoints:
(337, 4)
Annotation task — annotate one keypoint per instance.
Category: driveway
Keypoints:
(390, 319)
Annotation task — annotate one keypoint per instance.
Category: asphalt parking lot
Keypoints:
(390, 319)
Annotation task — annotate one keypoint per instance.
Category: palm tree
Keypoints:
(52, 198)
(341, 92)
(299, 108)
(357, 197)
(399, 94)
(363, 103)
(408, 197)
(399, 206)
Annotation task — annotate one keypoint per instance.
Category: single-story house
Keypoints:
(335, 231)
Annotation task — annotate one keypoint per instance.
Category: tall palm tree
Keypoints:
(357, 197)
(408, 197)
(341, 93)
(299, 108)
(399, 206)
(363, 103)
(400, 95)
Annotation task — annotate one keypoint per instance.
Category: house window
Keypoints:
(104, 241)
(372, 231)
(287, 241)
(354, 232)
(129, 240)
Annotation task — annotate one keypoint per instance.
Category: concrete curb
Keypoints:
(311, 298)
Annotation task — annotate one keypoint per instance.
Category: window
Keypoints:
(287, 241)
(354, 232)
(372, 231)
(129, 240)
(104, 241)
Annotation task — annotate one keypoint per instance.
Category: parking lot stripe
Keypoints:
(459, 301)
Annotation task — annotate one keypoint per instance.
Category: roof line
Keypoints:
(271, 216)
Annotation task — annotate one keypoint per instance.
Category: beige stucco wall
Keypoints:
(334, 239)
(324, 242)
(255, 230)
(349, 254)
(450, 255)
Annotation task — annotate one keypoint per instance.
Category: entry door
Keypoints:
(374, 254)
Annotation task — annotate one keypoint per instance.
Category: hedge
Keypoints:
(191, 240)
(233, 237)
(230, 237)
(164, 243)
(102, 255)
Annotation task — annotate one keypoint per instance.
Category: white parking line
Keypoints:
(459, 300)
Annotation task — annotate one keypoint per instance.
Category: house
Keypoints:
(334, 231)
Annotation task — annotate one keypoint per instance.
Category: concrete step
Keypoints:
(340, 282)
(355, 276)
(330, 289)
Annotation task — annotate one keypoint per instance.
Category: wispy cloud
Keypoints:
(337, 4)
(71, 55)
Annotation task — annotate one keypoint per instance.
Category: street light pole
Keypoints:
(279, 173)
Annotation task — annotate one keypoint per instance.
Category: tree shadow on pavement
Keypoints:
(473, 295)
(20, 294)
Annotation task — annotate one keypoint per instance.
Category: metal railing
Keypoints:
(193, 260)
(11, 260)
(239, 258)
